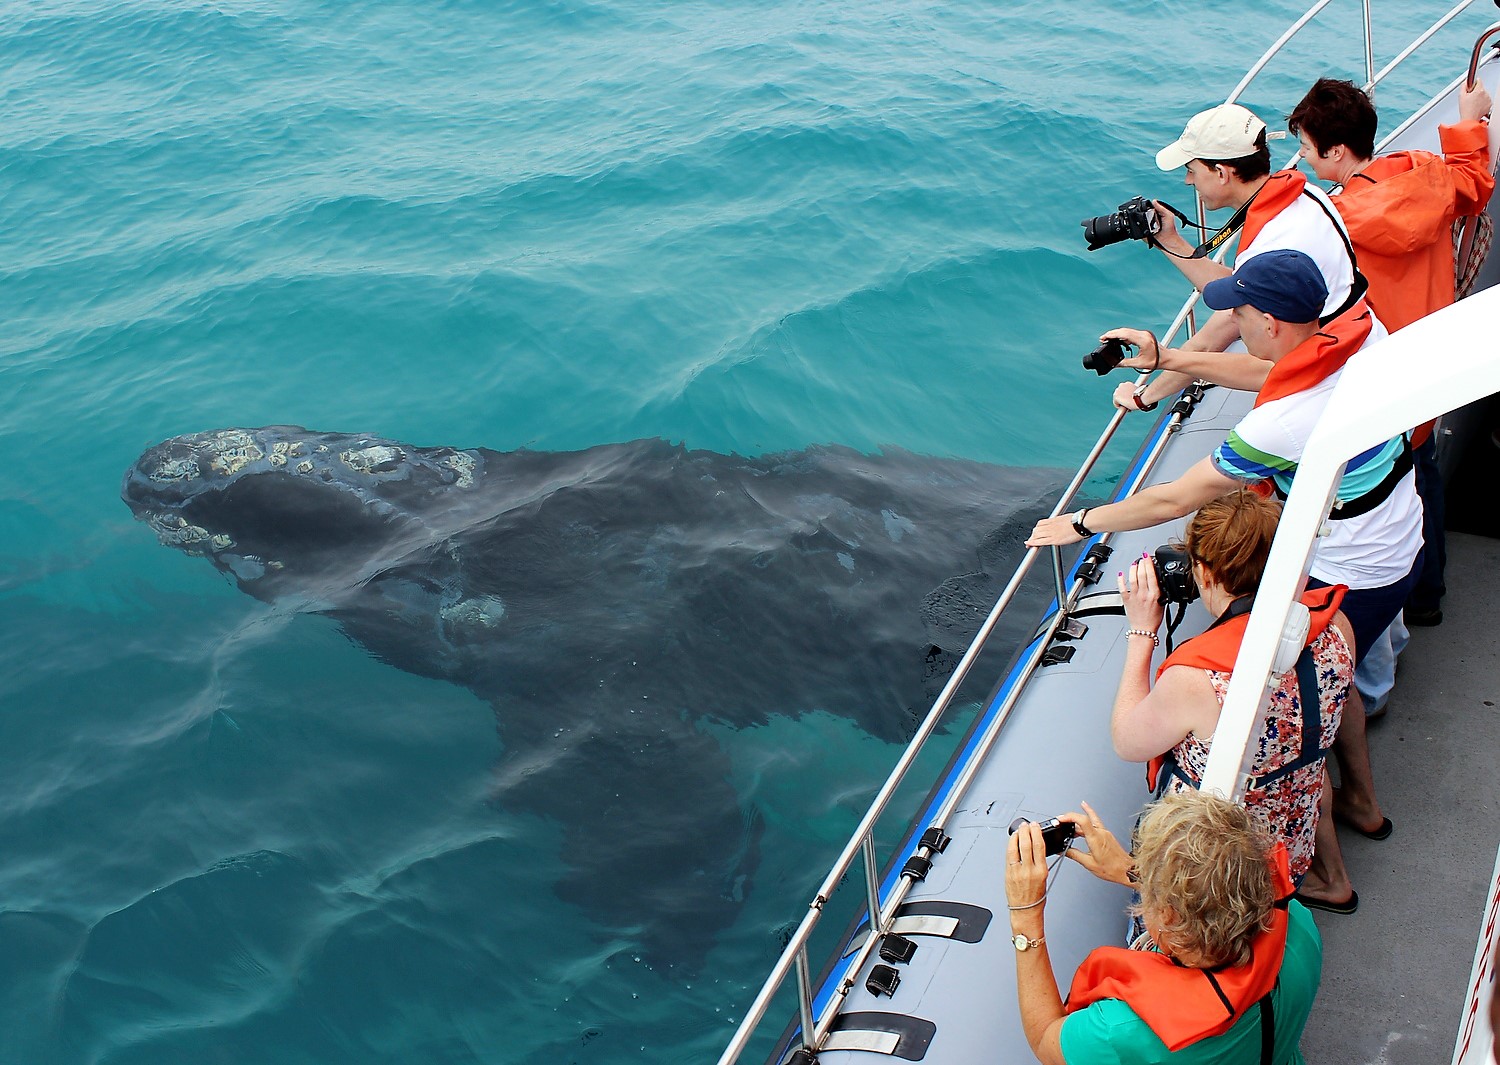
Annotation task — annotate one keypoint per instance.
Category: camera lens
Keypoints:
(1104, 230)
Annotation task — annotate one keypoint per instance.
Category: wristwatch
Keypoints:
(1079, 527)
(1021, 941)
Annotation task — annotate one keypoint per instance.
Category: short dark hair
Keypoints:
(1336, 112)
(1248, 167)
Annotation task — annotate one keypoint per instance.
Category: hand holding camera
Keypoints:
(1105, 857)
(1116, 348)
(1057, 833)
(1141, 596)
(1136, 219)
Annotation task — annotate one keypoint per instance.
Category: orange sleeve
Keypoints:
(1466, 152)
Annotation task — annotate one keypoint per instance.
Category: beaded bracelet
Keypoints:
(1155, 640)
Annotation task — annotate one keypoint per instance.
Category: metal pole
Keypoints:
(1271, 51)
(804, 998)
(872, 884)
(1057, 576)
(1369, 47)
(1452, 14)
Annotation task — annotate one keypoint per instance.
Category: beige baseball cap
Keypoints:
(1228, 131)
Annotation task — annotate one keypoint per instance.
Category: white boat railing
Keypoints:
(815, 1024)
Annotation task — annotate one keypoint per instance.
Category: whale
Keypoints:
(623, 608)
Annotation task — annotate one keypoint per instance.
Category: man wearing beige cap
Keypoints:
(1229, 165)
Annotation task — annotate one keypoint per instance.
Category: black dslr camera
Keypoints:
(1106, 356)
(1174, 575)
(1057, 835)
(1135, 219)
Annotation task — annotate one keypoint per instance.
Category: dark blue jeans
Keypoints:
(1430, 589)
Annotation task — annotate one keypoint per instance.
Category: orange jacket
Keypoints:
(1400, 212)
(1183, 1005)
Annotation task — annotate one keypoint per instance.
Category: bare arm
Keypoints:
(1157, 504)
(1203, 356)
(1146, 722)
(1036, 984)
(1182, 702)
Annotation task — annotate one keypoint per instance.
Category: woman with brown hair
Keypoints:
(1232, 965)
(1172, 724)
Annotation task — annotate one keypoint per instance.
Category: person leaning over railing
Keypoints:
(1232, 964)
(1226, 160)
(1375, 543)
(1172, 724)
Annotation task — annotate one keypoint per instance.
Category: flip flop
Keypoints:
(1383, 832)
(1343, 909)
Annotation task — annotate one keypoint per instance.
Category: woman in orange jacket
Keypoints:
(1400, 209)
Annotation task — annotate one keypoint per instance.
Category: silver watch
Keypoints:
(1021, 941)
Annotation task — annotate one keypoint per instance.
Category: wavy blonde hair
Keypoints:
(1203, 859)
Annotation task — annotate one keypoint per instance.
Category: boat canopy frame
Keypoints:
(1358, 411)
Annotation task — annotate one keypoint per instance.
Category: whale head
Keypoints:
(281, 507)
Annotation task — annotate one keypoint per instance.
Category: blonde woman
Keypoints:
(1233, 963)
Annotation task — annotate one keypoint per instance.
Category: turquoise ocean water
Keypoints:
(230, 835)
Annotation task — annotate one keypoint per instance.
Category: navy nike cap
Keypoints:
(1283, 282)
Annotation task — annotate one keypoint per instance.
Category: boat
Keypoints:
(923, 970)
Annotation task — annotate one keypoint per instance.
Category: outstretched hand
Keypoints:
(1053, 531)
(1105, 858)
(1147, 353)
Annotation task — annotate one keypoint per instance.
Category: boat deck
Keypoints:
(1394, 974)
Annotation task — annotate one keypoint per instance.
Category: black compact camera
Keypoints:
(1135, 219)
(1174, 575)
(1106, 356)
(1055, 834)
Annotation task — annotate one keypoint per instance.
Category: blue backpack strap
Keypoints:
(1312, 722)
(1170, 768)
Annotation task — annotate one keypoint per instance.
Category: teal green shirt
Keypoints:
(1109, 1032)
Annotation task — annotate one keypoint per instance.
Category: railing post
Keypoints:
(1369, 49)
(872, 882)
(804, 999)
(1057, 576)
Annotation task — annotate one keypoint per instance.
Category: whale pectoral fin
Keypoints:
(656, 844)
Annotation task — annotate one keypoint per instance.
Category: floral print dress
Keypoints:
(1287, 807)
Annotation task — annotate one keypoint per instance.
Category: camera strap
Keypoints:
(1361, 284)
(1234, 225)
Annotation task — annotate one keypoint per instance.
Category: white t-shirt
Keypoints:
(1368, 551)
(1303, 226)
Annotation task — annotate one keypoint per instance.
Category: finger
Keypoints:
(1083, 858)
(1033, 848)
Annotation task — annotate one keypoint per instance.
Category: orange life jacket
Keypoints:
(1182, 1005)
(1318, 357)
(1217, 648)
(1278, 193)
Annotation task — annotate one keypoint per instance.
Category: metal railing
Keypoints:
(815, 1024)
